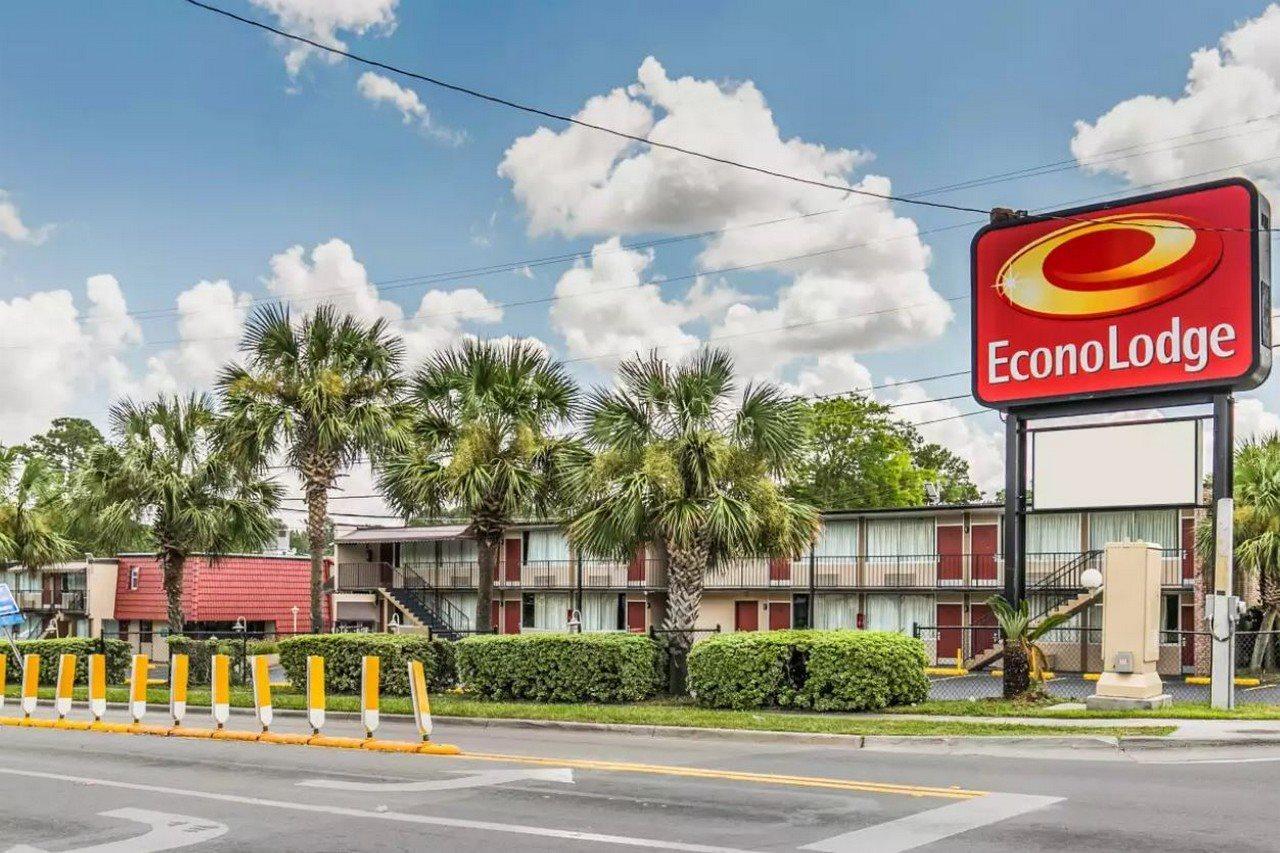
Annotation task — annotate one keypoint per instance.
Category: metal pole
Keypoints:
(1223, 606)
(1015, 507)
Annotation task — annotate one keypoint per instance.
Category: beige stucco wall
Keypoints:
(100, 592)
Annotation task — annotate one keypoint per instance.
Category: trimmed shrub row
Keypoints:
(342, 654)
(839, 670)
(559, 667)
(117, 651)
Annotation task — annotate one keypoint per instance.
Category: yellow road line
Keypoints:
(734, 776)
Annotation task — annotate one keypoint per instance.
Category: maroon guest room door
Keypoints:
(950, 553)
(984, 543)
(511, 559)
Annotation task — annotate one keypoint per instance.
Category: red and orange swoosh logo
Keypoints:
(1110, 265)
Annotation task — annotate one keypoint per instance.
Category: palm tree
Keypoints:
(31, 533)
(165, 468)
(674, 461)
(320, 394)
(1020, 636)
(486, 444)
(1257, 529)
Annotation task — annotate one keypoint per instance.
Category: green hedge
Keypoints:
(821, 670)
(118, 657)
(342, 654)
(559, 667)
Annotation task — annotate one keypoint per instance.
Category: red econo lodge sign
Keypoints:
(1151, 294)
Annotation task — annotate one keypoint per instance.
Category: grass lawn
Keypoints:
(656, 713)
(1006, 708)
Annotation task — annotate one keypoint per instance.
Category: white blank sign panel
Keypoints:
(1116, 465)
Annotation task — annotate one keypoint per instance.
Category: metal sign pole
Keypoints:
(1015, 507)
(1223, 607)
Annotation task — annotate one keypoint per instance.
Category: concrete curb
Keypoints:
(957, 744)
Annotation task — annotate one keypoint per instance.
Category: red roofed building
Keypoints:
(261, 589)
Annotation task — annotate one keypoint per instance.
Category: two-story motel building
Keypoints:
(890, 569)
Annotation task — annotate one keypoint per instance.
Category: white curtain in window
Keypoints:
(900, 537)
(835, 611)
(1159, 526)
(882, 612)
(837, 539)
(417, 553)
(465, 602)
(551, 611)
(547, 545)
(599, 611)
(458, 551)
(915, 610)
(1054, 533)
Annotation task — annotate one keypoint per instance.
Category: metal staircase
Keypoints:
(419, 603)
(1069, 598)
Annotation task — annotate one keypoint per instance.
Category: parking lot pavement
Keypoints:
(983, 685)
(558, 790)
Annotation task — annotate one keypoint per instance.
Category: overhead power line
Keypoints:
(622, 134)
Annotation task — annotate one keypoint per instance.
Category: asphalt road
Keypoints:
(536, 790)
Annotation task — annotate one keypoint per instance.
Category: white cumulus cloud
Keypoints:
(379, 89)
(323, 20)
(1222, 118)
(864, 284)
(12, 226)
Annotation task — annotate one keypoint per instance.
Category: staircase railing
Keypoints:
(1066, 579)
(434, 601)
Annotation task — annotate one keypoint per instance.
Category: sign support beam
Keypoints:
(1222, 604)
(1015, 507)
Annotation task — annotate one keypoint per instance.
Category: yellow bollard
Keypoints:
(138, 687)
(66, 684)
(97, 686)
(959, 659)
(30, 683)
(178, 669)
(369, 674)
(315, 692)
(421, 701)
(261, 689)
(220, 701)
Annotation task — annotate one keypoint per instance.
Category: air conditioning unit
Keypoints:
(599, 580)
(900, 578)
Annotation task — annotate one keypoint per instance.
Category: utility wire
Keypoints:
(621, 134)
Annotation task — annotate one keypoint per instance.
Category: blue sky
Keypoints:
(166, 146)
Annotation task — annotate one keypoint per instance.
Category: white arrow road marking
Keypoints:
(592, 838)
(912, 831)
(476, 780)
(168, 832)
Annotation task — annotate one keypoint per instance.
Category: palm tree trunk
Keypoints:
(317, 493)
(174, 564)
(1017, 670)
(686, 573)
(489, 550)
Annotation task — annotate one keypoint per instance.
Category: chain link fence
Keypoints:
(964, 665)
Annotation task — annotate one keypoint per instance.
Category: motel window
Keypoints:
(122, 630)
(1158, 526)
(1169, 616)
(144, 631)
(133, 577)
(837, 539)
(543, 546)
(900, 537)
(800, 611)
(1053, 533)
(899, 612)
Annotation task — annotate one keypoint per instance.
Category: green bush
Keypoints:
(342, 654)
(118, 658)
(559, 667)
(821, 670)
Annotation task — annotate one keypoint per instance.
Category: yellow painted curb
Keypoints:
(148, 729)
(438, 749)
(1046, 676)
(10, 721)
(184, 731)
(157, 682)
(1091, 676)
(1240, 682)
(234, 734)
(336, 742)
(33, 723)
(112, 728)
(73, 725)
(390, 745)
(944, 670)
(278, 737)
